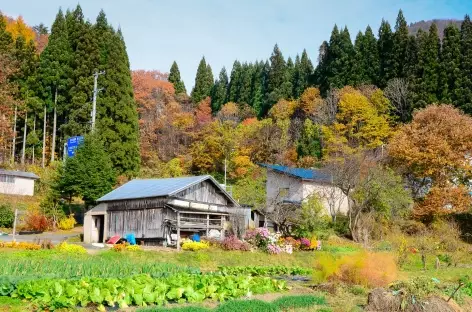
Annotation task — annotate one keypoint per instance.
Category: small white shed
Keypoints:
(17, 182)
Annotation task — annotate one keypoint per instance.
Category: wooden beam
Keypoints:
(222, 236)
(208, 225)
(178, 231)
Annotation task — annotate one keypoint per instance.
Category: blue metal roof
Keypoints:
(145, 188)
(301, 173)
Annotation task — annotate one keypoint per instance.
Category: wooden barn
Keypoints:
(161, 211)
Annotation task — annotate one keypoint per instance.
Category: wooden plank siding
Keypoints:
(147, 223)
(204, 192)
(139, 203)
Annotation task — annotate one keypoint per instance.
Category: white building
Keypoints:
(296, 185)
(17, 182)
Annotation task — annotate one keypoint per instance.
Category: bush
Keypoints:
(36, 221)
(195, 246)
(71, 248)
(21, 245)
(233, 243)
(126, 246)
(246, 306)
(366, 269)
(67, 223)
(7, 217)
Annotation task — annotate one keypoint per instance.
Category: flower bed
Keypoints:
(21, 245)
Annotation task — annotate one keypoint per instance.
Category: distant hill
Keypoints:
(441, 23)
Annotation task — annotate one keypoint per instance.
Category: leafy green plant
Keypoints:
(264, 270)
(141, 290)
(6, 216)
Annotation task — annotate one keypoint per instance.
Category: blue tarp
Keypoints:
(131, 239)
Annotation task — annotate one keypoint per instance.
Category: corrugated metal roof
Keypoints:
(22, 174)
(148, 188)
(301, 173)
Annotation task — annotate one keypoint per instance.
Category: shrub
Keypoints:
(21, 245)
(366, 269)
(246, 306)
(36, 221)
(71, 248)
(127, 247)
(194, 246)
(67, 223)
(233, 243)
(7, 217)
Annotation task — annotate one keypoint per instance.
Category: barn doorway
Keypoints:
(98, 222)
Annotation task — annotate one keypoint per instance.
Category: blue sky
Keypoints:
(159, 32)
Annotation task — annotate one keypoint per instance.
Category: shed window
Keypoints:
(283, 192)
(7, 179)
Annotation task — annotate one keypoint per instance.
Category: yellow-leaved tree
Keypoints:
(361, 123)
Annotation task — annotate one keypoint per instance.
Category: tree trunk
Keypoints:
(44, 137)
(53, 148)
(24, 139)
(14, 137)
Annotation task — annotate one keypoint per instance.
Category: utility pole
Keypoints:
(14, 137)
(24, 139)
(95, 93)
(53, 147)
(225, 175)
(43, 163)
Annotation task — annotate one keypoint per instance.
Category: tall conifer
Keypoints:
(400, 42)
(174, 78)
(450, 58)
(386, 57)
(220, 89)
(203, 82)
(464, 90)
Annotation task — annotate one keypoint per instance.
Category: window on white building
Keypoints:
(7, 179)
(283, 192)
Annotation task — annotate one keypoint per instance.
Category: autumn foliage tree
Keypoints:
(434, 152)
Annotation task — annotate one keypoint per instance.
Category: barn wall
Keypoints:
(142, 203)
(204, 192)
(143, 223)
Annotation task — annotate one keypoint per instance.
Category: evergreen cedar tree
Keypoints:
(435, 71)
(89, 174)
(174, 78)
(76, 50)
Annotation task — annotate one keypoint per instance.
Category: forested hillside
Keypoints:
(281, 110)
(47, 94)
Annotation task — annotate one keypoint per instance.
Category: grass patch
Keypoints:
(175, 309)
(8, 304)
(285, 303)
(246, 306)
(302, 301)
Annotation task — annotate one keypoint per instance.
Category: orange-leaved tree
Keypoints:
(435, 153)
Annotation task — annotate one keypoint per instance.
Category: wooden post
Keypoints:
(208, 225)
(14, 225)
(178, 231)
(222, 236)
